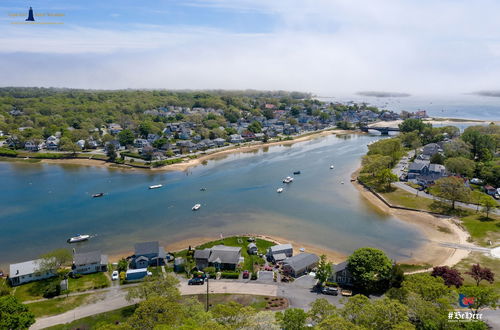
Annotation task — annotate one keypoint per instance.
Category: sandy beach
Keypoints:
(201, 159)
(436, 121)
(430, 252)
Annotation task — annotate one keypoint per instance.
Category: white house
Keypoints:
(28, 271)
(90, 262)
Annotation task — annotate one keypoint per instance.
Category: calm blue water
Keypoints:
(44, 204)
(468, 106)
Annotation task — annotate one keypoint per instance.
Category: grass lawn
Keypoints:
(403, 198)
(4, 286)
(482, 229)
(32, 290)
(485, 261)
(242, 242)
(414, 267)
(257, 302)
(119, 315)
(58, 305)
(88, 282)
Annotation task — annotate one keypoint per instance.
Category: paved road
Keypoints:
(399, 170)
(115, 298)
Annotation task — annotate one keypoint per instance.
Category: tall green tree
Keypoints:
(156, 287)
(488, 204)
(126, 137)
(14, 314)
(484, 296)
(292, 319)
(460, 166)
(324, 270)
(413, 124)
(452, 189)
(55, 259)
(370, 268)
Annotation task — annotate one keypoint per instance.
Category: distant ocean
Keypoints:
(464, 106)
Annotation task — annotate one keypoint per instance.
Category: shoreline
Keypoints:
(185, 165)
(430, 252)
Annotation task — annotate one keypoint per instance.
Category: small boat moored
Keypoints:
(296, 172)
(156, 186)
(279, 190)
(331, 167)
(78, 238)
(196, 207)
(203, 189)
(288, 179)
(98, 195)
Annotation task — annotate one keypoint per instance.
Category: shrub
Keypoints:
(332, 284)
(52, 289)
(231, 275)
(254, 276)
(8, 152)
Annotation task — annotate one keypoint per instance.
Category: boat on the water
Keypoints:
(196, 207)
(203, 189)
(279, 190)
(98, 195)
(296, 172)
(156, 186)
(288, 179)
(78, 238)
(341, 182)
(331, 167)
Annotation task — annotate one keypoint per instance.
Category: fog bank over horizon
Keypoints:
(415, 47)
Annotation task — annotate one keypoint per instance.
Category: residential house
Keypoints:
(52, 143)
(219, 142)
(148, 254)
(89, 262)
(219, 256)
(114, 143)
(341, 274)
(141, 143)
(279, 252)
(114, 128)
(252, 248)
(28, 271)
(300, 264)
(431, 149)
(236, 138)
(418, 168)
(490, 190)
(81, 144)
(32, 146)
(152, 138)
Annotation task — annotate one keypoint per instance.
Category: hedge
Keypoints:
(231, 275)
(8, 152)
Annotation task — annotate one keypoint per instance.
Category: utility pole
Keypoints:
(207, 293)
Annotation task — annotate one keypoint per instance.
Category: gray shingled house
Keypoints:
(89, 262)
(219, 256)
(300, 264)
(148, 254)
(280, 249)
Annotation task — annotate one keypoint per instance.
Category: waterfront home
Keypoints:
(89, 262)
(32, 146)
(219, 142)
(152, 137)
(52, 143)
(252, 248)
(148, 254)
(114, 143)
(418, 168)
(341, 274)
(81, 143)
(276, 252)
(300, 264)
(141, 143)
(219, 256)
(28, 271)
(236, 138)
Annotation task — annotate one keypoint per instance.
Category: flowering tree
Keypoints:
(449, 275)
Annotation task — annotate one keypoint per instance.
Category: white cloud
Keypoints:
(320, 46)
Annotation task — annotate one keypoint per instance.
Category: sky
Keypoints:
(328, 47)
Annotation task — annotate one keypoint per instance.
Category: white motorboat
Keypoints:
(288, 179)
(341, 182)
(78, 238)
(331, 167)
(196, 207)
(156, 186)
(279, 190)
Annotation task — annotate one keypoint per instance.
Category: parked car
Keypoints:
(246, 274)
(115, 275)
(330, 291)
(196, 281)
(346, 293)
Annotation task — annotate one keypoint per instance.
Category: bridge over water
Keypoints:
(382, 130)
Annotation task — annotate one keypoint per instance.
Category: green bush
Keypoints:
(254, 276)
(52, 289)
(8, 152)
(230, 275)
